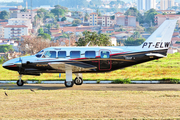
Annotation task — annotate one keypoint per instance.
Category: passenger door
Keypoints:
(105, 64)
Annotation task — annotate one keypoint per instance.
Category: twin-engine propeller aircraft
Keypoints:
(80, 60)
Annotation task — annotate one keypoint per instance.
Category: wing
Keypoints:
(74, 65)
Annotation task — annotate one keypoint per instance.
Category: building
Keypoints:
(141, 4)
(166, 11)
(159, 19)
(149, 4)
(146, 4)
(106, 21)
(16, 13)
(15, 31)
(113, 41)
(126, 21)
(165, 4)
(118, 14)
(93, 20)
(17, 27)
(20, 21)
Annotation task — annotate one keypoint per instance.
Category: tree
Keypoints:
(134, 12)
(45, 36)
(178, 13)
(57, 26)
(121, 29)
(63, 19)
(136, 35)
(48, 26)
(76, 22)
(23, 10)
(132, 42)
(149, 16)
(5, 48)
(49, 15)
(4, 14)
(59, 11)
(164, 14)
(41, 13)
(40, 30)
(96, 39)
(113, 17)
(98, 12)
(86, 16)
(34, 44)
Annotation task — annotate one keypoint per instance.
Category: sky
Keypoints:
(22, 0)
(11, 0)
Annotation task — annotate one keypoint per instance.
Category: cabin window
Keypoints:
(75, 54)
(62, 54)
(49, 54)
(90, 54)
(105, 54)
(39, 54)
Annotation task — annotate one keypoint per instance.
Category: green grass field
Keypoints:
(166, 68)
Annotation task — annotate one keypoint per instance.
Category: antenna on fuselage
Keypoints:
(88, 44)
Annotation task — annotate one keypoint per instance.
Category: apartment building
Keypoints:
(141, 4)
(166, 11)
(118, 14)
(150, 4)
(159, 19)
(16, 13)
(126, 21)
(165, 4)
(146, 4)
(15, 31)
(106, 21)
(93, 19)
(20, 21)
(17, 27)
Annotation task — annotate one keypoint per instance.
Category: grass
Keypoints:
(162, 69)
(57, 104)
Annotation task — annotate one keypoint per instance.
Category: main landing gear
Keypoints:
(69, 82)
(20, 82)
(78, 80)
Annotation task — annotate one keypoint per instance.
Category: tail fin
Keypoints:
(161, 38)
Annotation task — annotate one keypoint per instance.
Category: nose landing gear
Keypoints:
(20, 82)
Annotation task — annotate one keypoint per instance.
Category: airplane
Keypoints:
(79, 60)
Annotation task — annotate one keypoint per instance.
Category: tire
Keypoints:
(78, 81)
(69, 83)
(20, 83)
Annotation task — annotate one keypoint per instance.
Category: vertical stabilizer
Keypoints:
(161, 38)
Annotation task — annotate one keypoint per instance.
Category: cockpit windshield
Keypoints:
(39, 54)
(49, 54)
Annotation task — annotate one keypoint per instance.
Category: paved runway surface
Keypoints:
(96, 87)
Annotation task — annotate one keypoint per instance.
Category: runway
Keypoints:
(96, 87)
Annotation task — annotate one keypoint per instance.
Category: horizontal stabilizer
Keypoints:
(155, 54)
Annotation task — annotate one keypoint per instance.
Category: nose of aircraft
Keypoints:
(7, 64)
(11, 64)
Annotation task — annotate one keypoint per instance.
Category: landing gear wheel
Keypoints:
(69, 83)
(78, 81)
(20, 83)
